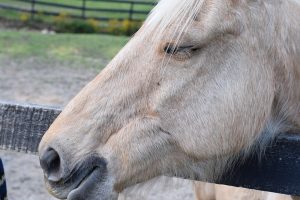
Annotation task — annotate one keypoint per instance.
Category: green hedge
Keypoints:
(65, 24)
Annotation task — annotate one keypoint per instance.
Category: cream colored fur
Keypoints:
(206, 191)
(189, 114)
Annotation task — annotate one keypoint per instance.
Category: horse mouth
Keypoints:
(80, 181)
(85, 184)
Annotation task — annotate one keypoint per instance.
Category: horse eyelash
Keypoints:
(173, 50)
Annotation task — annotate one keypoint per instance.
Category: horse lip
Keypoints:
(84, 184)
(61, 189)
(79, 179)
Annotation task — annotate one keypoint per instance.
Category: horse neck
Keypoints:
(287, 68)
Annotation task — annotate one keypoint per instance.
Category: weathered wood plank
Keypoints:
(22, 127)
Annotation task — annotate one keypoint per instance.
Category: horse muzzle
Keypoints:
(78, 183)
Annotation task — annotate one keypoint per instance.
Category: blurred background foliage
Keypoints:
(117, 17)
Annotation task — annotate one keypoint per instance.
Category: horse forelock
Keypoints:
(170, 12)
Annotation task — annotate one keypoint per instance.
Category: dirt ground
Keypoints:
(33, 81)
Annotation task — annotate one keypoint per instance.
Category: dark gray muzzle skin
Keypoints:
(51, 164)
(77, 183)
(3, 190)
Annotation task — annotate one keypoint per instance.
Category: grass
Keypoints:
(80, 49)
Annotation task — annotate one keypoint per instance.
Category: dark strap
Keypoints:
(22, 126)
(3, 191)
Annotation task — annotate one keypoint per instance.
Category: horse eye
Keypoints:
(173, 50)
(170, 49)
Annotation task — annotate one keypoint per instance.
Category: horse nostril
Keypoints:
(50, 162)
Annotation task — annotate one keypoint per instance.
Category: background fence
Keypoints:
(82, 9)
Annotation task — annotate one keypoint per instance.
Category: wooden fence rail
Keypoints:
(83, 9)
(22, 127)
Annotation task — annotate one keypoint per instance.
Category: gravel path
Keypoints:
(33, 81)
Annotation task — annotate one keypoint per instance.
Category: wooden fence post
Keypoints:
(32, 10)
(83, 9)
(131, 11)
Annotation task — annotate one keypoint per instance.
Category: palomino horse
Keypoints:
(202, 82)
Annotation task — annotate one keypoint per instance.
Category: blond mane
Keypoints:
(170, 12)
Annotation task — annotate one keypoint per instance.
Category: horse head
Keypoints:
(199, 83)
